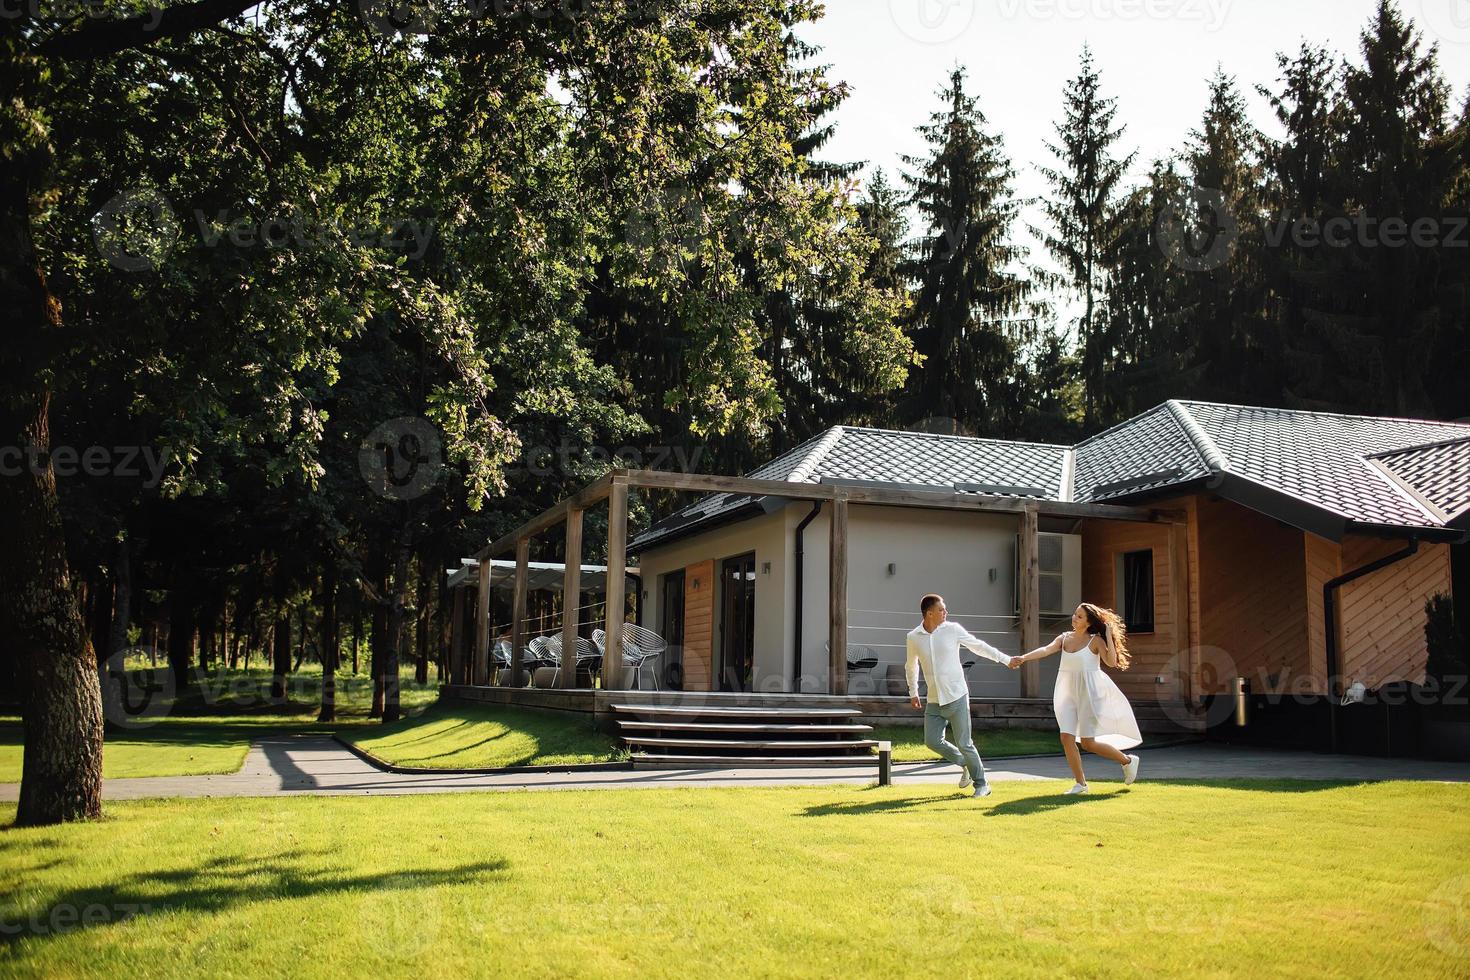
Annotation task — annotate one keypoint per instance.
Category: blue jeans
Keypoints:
(956, 715)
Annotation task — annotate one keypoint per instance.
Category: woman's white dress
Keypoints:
(1087, 702)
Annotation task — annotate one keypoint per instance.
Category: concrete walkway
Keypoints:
(316, 765)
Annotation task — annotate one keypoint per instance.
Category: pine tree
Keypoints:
(973, 302)
(1083, 212)
(1233, 337)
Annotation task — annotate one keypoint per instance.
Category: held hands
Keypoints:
(1016, 663)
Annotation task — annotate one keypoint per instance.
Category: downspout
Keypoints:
(799, 568)
(1330, 626)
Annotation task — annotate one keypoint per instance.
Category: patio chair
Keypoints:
(586, 656)
(499, 660)
(639, 646)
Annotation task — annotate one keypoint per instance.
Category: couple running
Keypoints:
(1088, 705)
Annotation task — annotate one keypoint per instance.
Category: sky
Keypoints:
(1155, 57)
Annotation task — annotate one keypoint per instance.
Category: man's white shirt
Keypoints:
(938, 653)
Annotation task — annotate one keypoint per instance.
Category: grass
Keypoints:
(993, 743)
(207, 728)
(1241, 879)
(459, 736)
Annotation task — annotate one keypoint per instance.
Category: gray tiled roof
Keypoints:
(1320, 456)
(851, 453)
(1327, 463)
(1437, 473)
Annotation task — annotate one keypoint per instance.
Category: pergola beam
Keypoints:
(571, 591)
(614, 593)
(1030, 591)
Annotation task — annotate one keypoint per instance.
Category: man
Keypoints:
(934, 645)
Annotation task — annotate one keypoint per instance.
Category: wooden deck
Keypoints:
(1033, 713)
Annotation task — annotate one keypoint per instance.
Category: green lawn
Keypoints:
(460, 736)
(1251, 880)
(207, 728)
(993, 743)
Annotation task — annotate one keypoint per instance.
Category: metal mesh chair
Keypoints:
(639, 646)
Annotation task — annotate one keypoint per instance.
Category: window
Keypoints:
(671, 625)
(1135, 590)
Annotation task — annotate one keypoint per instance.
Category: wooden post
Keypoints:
(617, 562)
(837, 596)
(571, 588)
(483, 639)
(518, 611)
(456, 638)
(1184, 666)
(1030, 583)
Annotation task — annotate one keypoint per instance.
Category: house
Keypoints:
(1284, 547)
(1291, 551)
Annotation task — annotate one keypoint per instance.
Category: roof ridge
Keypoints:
(803, 471)
(1204, 444)
(943, 435)
(1340, 415)
(1417, 447)
(1404, 490)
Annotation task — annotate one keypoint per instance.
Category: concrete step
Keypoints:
(715, 726)
(654, 761)
(750, 744)
(712, 711)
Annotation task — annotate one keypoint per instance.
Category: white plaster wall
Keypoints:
(947, 552)
(766, 535)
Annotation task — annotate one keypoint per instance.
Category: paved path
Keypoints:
(315, 765)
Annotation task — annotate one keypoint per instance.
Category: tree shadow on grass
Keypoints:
(217, 885)
(861, 807)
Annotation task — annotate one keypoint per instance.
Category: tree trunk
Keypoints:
(330, 651)
(403, 553)
(421, 622)
(55, 667)
(280, 655)
(122, 598)
(180, 633)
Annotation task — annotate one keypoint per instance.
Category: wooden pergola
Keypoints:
(614, 487)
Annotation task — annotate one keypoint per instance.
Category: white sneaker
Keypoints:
(1130, 771)
(982, 790)
(965, 779)
(1077, 789)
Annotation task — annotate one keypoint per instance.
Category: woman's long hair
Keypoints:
(1109, 625)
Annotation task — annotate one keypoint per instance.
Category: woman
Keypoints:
(1088, 704)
